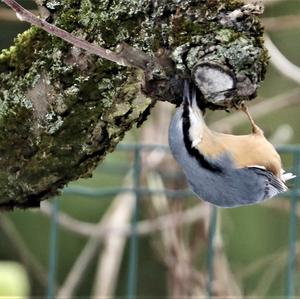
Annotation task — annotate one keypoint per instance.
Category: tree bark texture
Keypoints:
(62, 110)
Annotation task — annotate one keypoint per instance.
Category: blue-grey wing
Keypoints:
(274, 185)
(236, 187)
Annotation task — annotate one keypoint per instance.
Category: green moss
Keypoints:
(69, 19)
(230, 5)
(226, 35)
(25, 49)
(184, 28)
(64, 109)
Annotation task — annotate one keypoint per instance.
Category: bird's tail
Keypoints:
(286, 176)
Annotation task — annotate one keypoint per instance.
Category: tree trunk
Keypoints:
(62, 110)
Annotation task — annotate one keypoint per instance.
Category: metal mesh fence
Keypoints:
(291, 152)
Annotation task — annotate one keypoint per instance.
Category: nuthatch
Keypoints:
(225, 170)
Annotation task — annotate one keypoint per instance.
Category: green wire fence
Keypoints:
(292, 150)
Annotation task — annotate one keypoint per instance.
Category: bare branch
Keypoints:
(282, 205)
(269, 2)
(262, 108)
(79, 267)
(27, 257)
(281, 23)
(284, 66)
(124, 55)
(7, 14)
(269, 275)
(112, 249)
(144, 227)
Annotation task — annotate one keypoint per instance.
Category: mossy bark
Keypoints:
(62, 110)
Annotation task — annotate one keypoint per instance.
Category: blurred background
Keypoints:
(101, 240)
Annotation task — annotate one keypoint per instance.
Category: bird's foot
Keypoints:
(241, 106)
(255, 128)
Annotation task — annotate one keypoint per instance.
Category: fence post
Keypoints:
(53, 251)
(133, 254)
(292, 251)
(211, 250)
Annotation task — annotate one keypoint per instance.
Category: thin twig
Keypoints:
(7, 14)
(110, 257)
(257, 265)
(281, 23)
(124, 55)
(75, 275)
(267, 278)
(27, 257)
(284, 66)
(267, 106)
(263, 262)
(282, 205)
(144, 227)
(79, 267)
(269, 2)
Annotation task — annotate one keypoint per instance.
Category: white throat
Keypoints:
(197, 124)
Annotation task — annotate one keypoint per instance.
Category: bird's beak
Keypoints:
(186, 93)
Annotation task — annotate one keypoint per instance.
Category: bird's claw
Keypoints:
(241, 106)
